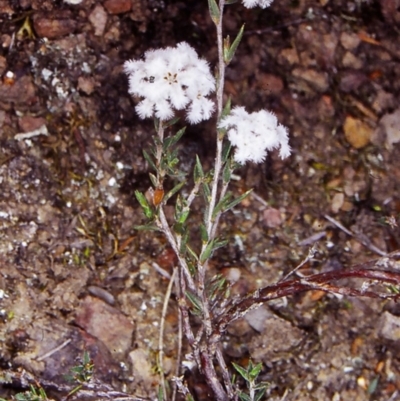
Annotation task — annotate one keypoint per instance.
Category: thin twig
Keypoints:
(161, 336)
(53, 351)
(310, 255)
(179, 349)
(363, 240)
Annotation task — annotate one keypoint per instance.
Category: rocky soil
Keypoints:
(74, 273)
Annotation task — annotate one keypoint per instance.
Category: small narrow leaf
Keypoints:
(173, 191)
(206, 192)
(226, 152)
(171, 122)
(260, 394)
(205, 255)
(203, 233)
(241, 371)
(198, 172)
(153, 180)
(144, 204)
(244, 397)
(237, 200)
(255, 371)
(227, 108)
(172, 140)
(194, 300)
(234, 46)
(183, 216)
(227, 173)
(226, 47)
(222, 204)
(214, 11)
(149, 160)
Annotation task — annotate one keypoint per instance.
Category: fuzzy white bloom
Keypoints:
(172, 79)
(253, 134)
(255, 3)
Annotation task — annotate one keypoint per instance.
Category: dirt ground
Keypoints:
(75, 275)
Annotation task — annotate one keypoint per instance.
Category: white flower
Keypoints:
(254, 134)
(255, 3)
(172, 79)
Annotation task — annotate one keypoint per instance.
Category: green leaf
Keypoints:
(171, 122)
(214, 11)
(203, 233)
(192, 253)
(227, 108)
(244, 397)
(255, 371)
(156, 123)
(226, 150)
(160, 395)
(182, 217)
(206, 254)
(172, 140)
(226, 173)
(195, 301)
(153, 180)
(144, 204)
(198, 173)
(260, 394)
(222, 204)
(149, 160)
(230, 205)
(231, 52)
(184, 240)
(242, 371)
(228, 2)
(206, 192)
(173, 191)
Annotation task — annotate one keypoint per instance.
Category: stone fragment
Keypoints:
(289, 56)
(98, 19)
(22, 92)
(106, 323)
(337, 202)
(142, 370)
(389, 326)
(29, 123)
(315, 79)
(86, 85)
(118, 6)
(351, 80)
(349, 40)
(357, 132)
(269, 83)
(277, 338)
(351, 61)
(53, 28)
(390, 125)
(272, 217)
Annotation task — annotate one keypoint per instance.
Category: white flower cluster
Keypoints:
(255, 3)
(253, 134)
(172, 79)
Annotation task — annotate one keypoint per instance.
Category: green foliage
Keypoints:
(81, 373)
(147, 210)
(214, 11)
(250, 375)
(230, 50)
(32, 395)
